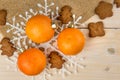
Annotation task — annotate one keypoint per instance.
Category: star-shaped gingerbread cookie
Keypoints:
(104, 10)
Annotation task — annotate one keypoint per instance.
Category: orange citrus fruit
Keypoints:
(31, 61)
(39, 28)
(70, 41)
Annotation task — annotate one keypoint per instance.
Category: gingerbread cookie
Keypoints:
(117, 2)
(65, 14)
(104, 10)
(56, 60)
(3, 14)
(96, 29)
(7, 47)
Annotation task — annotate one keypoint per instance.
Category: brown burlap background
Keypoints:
(80, 7)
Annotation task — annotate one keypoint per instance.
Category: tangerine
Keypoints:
(70, 41)
(31, 61)
(39, 28)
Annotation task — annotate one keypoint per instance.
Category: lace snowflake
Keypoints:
(19, 39)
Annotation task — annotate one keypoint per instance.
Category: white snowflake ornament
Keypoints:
(21, 41)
